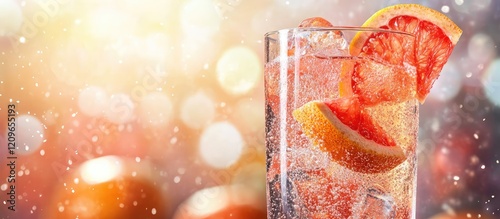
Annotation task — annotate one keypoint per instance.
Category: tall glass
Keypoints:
(304, 178)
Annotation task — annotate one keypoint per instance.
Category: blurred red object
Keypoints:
(109, 187)
(230, 201)
(461, 215)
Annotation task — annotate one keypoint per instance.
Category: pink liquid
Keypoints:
(303, 181)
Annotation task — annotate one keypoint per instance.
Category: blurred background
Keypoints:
(155, 109)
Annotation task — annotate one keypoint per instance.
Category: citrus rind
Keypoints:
(346, 146)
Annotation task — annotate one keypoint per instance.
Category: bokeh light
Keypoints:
(199, 19)
(10, 17)
(93, 101)
(196, 54)
(221, 144)
(162, 102)
(492, 82)
(238, 70)
(481, 48)
(108, 187)
(30, 134)
(197, 110)
(109, 167)
(449, 83)
(110, 23)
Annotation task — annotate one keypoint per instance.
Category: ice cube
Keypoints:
(322, 43)
(377, 204)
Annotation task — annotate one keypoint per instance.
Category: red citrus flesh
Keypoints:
(315, 22)
(427, 50)
(343, 129)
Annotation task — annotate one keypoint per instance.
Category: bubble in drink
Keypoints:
(322, 44)
(328, 44)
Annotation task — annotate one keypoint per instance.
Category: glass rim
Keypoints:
(337, 28)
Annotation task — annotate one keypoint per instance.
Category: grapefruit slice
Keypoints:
(315, 22)
(307, 65)
(342, 128)
(433, 38)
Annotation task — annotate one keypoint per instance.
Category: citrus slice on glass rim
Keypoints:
(343, 129)
(433, 38)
